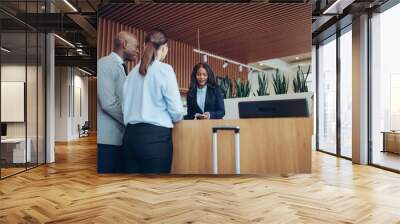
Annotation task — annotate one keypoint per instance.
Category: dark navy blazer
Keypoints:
(214, 103)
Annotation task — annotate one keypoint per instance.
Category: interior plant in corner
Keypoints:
(280, 82)
(300, 82)
(242, 89)
(262, 85)
(225, 84)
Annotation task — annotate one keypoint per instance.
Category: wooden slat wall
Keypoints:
(92, 99)
(180, 56)
(245, 32)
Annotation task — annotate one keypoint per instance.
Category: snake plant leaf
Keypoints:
(300, 82)
(280, 83)
(262, 85)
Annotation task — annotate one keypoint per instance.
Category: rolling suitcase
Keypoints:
(215, 130)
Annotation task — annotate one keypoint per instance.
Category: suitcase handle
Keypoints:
(215, 130)
(226, 128)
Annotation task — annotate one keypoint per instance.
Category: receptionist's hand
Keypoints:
(206, 115)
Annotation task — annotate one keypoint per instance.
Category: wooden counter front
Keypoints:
(267, 145)
(391, 142)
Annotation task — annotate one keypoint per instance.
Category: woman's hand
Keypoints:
(206, 115)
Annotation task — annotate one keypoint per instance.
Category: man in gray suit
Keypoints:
(111, 74)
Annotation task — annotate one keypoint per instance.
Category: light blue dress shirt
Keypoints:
(153, 98)
(201, 97)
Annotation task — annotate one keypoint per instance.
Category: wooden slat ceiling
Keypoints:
(245, 32)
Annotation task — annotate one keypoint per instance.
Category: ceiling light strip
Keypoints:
(5, 50)
(337, 7)
(70, 5)
(65, 41)
(227, 60)
(84, 71)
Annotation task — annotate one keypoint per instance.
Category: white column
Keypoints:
(360, 90)
(313, 89)
(50, 92)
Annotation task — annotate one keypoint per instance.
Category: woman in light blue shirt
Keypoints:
(151, 104)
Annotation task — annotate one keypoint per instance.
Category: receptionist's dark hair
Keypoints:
(211, 82)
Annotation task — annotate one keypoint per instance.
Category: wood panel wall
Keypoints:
(180, 56)
(92, 100)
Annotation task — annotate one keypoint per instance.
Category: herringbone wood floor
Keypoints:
(70, 191)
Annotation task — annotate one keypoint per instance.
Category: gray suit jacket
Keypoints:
(110, 81)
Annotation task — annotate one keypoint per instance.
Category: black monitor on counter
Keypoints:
(3, 129)
(274, 108)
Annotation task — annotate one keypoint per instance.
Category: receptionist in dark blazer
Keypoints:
(204, 99)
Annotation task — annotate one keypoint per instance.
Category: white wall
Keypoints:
(61, 103)
(17, 73)
(70, 84)
(79, 117)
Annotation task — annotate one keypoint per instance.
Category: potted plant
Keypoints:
(242, 89)
(300, 82)
(262, 85)
(226, 86)
(280, 82)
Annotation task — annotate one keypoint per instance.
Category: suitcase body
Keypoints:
(236, 130)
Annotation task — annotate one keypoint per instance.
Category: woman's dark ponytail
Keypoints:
(148, 57)
(153, 41)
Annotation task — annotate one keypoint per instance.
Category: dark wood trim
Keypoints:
(333, 154)
(338, 117)
(26, 91)
(369, 91)
(385, 168)
(317, 95)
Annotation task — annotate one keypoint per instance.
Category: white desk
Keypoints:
(18, 150)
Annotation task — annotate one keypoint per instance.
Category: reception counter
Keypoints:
(267, 146)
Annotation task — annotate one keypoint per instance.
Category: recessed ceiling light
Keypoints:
(261, 64)
(297, 58)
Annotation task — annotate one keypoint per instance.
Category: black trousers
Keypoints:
(109, 159)
(147, 148)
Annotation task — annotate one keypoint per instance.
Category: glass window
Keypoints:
(327, 96)
(15, 149)
(346, 93)
(22, 90)
(385, 87)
